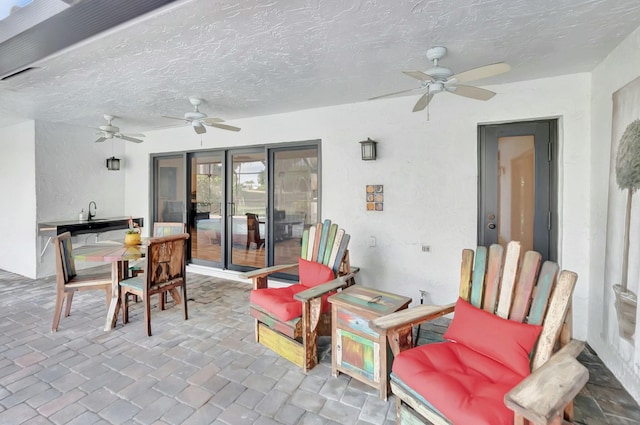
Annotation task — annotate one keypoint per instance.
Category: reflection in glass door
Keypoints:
(207, 200)
(247, 208)
(295, 199)
(169, 189)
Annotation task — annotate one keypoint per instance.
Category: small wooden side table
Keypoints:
(356, 349)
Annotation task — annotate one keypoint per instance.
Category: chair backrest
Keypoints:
(325, 243)
(65, 266)
(166, 229)
(519, 289)
(166, 259)
(253, 229)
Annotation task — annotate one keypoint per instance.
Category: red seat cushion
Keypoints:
(464, 385)
(505, 341)
(280, 302)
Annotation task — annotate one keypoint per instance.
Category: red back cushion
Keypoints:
(313, 274)
(505, 341)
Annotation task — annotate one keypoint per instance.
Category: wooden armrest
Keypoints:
(410, 316)
(542, 396)
(325, 288)
(267, 271)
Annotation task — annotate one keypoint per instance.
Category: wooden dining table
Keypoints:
(119, 255)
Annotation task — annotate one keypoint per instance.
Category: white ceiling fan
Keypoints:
(110, 131)
(198, 119)
(440, 79)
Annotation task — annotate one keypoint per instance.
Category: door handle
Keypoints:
(491, 226)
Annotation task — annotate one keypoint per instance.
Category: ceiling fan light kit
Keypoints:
(439, 79)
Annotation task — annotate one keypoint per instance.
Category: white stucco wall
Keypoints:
(17, 190)
(429, 172)
(619, 68)
(71, 172)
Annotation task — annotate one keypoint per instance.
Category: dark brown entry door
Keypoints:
(517, 189)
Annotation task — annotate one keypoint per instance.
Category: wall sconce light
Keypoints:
(368, 150)
(113, 163)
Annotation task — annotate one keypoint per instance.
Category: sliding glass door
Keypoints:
(206, 215)
(247, 208)
(169, 189)
(294, 198)
(244, 208)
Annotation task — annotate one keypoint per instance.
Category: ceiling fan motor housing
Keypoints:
(194, 116)
(439, 73)
(109, 128)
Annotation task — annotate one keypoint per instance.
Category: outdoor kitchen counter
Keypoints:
(50, 229)
(77, 227)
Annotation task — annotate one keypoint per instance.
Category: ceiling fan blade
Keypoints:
(174, 118)
(393, 94)
(482, 72)
(129, 139)
(418, 75)
(211, 120)
(224, 126)
(100, 140)
(472, 92)
(199, 129)
(423, 102)
(135, 135)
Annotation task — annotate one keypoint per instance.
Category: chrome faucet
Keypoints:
(89, 214)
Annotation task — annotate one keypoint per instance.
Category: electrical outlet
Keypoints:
(426, 248)
(372, 241)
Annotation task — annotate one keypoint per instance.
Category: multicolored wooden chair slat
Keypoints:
(326, 244)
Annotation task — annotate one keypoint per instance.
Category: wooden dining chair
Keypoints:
(165, 265)
(68, 280)
(253, 231)
(159, 229)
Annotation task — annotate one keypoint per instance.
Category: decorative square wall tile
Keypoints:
(375, 197)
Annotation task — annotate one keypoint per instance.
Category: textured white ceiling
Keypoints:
(257, 57)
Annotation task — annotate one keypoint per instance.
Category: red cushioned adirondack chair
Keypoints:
(509, 319)
(289, 319)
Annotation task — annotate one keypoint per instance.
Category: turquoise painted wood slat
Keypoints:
(330, 240)
(305, 242)
(492, 281)
(341, 251)
(542, 291)
(477, 283)
(326, 226)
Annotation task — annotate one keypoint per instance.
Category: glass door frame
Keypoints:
(230, 209)
(272, 150)
(546, 181)
(223, 207)
(153, 185)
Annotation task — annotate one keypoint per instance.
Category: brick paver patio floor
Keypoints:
(206, 370)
